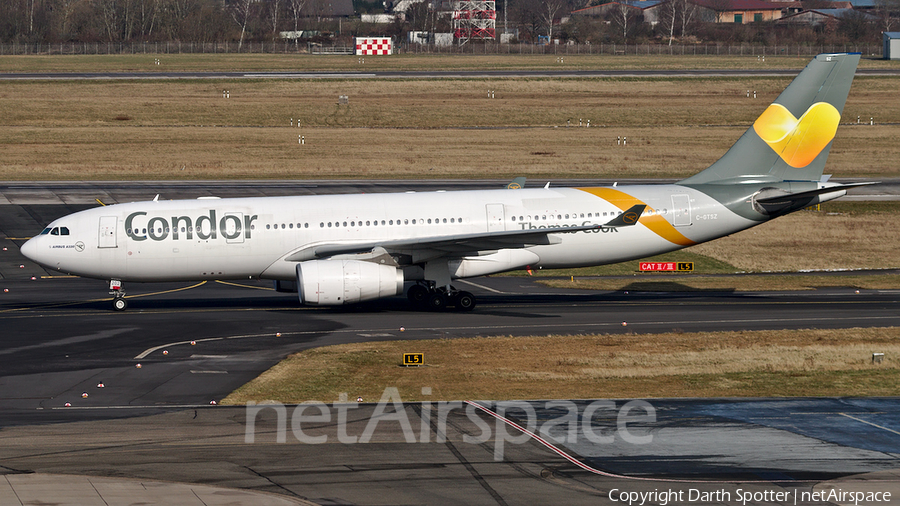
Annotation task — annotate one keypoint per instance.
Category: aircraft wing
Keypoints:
(457, 245)
(464, 244)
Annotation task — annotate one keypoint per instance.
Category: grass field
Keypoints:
(676, 364)
(60, 130)
(185, 129)
(304, 62)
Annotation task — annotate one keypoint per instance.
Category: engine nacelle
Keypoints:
(336, 282)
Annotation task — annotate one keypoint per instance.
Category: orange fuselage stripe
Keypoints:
(656, 223)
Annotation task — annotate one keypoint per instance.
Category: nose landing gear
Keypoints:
(428, 297)
(116, 290)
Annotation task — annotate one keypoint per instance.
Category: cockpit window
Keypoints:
(45, 231)
(55, 231)
(63, 230)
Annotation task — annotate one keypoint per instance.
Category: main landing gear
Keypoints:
(432, 298)
(115, 289)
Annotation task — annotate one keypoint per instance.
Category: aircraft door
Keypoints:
(233, 230)
(681, 207)
(495, 219)
(108, 232)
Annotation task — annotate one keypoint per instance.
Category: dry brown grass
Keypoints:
(405, 129)
(807, 240)
(666, 283)
(729, 364)
(304, 63)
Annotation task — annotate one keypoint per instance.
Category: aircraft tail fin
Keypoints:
(791, 139)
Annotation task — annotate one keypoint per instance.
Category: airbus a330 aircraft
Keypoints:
(342, 249)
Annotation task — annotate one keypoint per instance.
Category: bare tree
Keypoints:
(31, 17)
(551, 7)
(109, 17)
(887, 10)
(719, 8)
(528, 13)
(296, 10)
(668, 17)
(623, 13)
(240, 12)
(274, 10)
(149, 14)
(417, 15)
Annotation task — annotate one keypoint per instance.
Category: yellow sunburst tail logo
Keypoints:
(798, 141)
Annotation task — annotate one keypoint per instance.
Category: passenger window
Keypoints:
(345, 223)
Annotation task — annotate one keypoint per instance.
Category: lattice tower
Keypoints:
(474, 19)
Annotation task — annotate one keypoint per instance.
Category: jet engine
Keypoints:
(336, 282)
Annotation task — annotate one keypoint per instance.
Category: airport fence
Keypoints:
(156, 48)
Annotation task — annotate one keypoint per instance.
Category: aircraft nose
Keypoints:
(29, 250)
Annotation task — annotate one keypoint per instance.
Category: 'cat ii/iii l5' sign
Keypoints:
(667, 266)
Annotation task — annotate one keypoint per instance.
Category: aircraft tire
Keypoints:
(437, 301)
(465, 301)
(119, 304)
(417, 295)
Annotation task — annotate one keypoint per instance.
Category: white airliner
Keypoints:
(342, 249)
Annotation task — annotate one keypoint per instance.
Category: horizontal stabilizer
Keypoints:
(791, 197)
(628, 218)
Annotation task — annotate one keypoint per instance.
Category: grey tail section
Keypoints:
(827, 79)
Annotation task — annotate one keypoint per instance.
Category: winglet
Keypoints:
(516, 184)
(628, 218)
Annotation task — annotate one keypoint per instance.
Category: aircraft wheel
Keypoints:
(417, 295)
(119, 304)
(437, 302)
(465, 301)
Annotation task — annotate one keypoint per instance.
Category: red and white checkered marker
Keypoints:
(366, 46)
